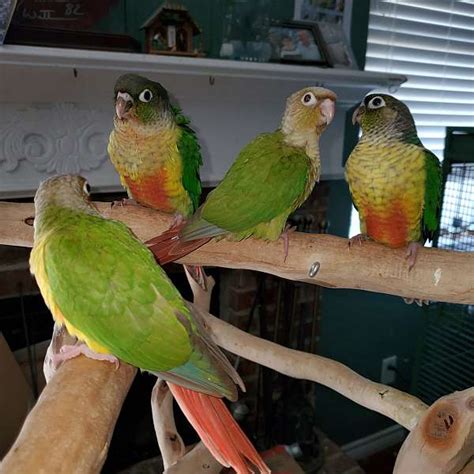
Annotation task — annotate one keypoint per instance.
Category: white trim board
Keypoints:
(383, 439)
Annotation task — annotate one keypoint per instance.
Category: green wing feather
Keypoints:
(267, 179)
(108, 286)
(433, 187)
(190, 152)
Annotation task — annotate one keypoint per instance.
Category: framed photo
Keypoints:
(7, 7)
(338, 51)
(320, 10)
(296, 42)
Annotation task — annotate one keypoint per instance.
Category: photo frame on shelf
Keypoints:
(296, 42)
(7, 7)
(336, 46)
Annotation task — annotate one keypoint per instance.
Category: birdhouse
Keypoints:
(170, 30)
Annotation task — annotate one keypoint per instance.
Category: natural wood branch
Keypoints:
(198, 460)
(70, 427)
(399, 406)
(438, 275)
(171, 444)
(443, 440)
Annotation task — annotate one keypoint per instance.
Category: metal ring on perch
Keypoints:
(314, 269)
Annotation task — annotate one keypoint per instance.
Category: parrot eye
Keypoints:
(86, 188)
(376, 103)
(308, 99)
(146, 95)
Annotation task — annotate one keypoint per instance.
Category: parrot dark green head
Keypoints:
(308, 112)
(137, 99)
(383, 112)
(63, 192)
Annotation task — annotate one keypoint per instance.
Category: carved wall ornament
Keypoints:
(54, 138)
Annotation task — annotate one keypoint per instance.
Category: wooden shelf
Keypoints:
(146, 63)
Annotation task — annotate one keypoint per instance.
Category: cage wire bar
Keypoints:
(444, 361)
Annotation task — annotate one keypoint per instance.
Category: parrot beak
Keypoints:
(123, 104)
(358, 114)
(328, 109)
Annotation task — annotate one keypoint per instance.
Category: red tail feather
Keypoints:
(218, 430)
(168, 247)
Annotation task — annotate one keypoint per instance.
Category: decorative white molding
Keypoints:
(53, 138)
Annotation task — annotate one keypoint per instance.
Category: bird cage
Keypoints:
(446, 349)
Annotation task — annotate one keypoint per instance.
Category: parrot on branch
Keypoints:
(104, 285)
(395, 182)
(155, 151)
(271, 177)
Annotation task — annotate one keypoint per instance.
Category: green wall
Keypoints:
(127, 17)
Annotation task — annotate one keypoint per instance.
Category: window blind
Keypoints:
(432, 43)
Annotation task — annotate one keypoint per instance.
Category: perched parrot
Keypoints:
(271, 177)
(111, 294)
(155, 151)
(395, 182)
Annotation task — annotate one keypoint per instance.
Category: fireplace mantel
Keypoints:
(57, 108)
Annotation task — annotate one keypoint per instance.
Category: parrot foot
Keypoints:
(285, 235)
(357, 239)
(412, 252)
(124, 202)
(69, 352)
(198, 275)
(418, 301)
(178, 219)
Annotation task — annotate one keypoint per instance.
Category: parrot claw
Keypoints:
(412, 252)
(419, 302)
(178, 219)
(198, 275)
(357, 239)
(285, 235)
(124, 202)
(69, 352)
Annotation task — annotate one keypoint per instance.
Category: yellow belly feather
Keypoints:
(38, 269)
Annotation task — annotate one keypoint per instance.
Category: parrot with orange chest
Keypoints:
(104, 286)
(395, 182)
(271, 177)
(155, 151)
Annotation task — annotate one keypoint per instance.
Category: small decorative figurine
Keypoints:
(170, 30)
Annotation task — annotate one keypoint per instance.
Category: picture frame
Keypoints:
(296, 42)
(336, 46)
(7, 7)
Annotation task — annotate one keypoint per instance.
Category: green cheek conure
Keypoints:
(104, 285)
(155, 151)
(271, 177)
(394, 180)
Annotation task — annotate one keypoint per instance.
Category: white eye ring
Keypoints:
(146, 95)
(308, 99)
(86, 188)
(376, 102)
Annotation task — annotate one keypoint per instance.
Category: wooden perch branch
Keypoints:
(399, 406)
(77, 410)
(443, 441)
(438, 275)
(171, 445)
(70, 427)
